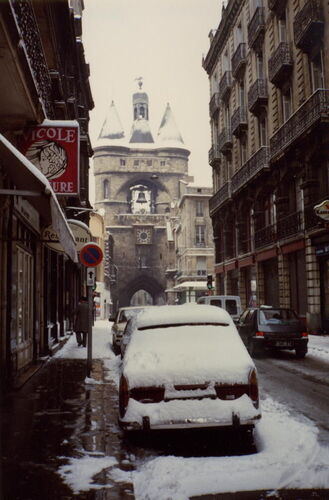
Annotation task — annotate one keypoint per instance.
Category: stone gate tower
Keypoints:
(137, 184)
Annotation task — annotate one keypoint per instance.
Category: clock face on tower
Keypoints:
(144, 235)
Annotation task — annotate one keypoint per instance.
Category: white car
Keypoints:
(184, 367)
(119, 322)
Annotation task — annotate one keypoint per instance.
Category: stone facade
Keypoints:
(269, 117)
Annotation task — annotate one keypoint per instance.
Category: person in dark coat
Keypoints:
(81, 320)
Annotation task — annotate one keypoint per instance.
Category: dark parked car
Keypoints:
(272, 328)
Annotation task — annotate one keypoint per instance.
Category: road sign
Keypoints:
(91, 276)
(91, 255)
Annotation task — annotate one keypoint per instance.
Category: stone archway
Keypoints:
(146, 283)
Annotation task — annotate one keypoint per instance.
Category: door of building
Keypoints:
(271, 282)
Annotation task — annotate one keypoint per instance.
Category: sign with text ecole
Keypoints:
(53, 147)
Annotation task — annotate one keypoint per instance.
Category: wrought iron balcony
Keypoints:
(31, 48)
(256, 28)
(239, 121)
(225, 85)
(278, 6)
(257, 95)
(265, 236)
(214, 155)
(256, 164)
(225, 140)
(239, 60)
(290, 225)
(308, 25)
(280, 64)
(222, 196)
(214, 104)
(312, 112)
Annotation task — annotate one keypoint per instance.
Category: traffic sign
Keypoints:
(91, 255)
(91, 276)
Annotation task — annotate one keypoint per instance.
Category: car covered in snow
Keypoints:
(185, 366)
(272, 328)
(119, 322)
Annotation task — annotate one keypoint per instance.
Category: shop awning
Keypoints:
(35, 186)
(191, 285)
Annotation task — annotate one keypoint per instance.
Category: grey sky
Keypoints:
(163, 41)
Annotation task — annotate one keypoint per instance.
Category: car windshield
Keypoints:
(284, 316)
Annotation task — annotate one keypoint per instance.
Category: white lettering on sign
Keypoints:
(62, 187)
(53, 134)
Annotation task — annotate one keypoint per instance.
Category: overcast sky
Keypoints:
(163, 41)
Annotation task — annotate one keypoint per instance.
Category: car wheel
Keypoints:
(123, 396)
(301, 353)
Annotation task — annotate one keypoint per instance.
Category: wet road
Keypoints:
(56, 416)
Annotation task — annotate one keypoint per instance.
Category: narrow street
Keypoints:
(64, 441)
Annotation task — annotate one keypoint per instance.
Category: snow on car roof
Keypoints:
(186, 354)
(182, 314)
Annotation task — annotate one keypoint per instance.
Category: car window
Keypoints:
(231, 306)
(216, 302)
(244, 316)
(201, 300)
(122, 317)
(277, 316)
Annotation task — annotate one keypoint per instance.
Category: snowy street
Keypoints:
(80, 449)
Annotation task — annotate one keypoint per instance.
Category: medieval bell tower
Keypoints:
(137, 183)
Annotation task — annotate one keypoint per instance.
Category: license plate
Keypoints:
(283, 344)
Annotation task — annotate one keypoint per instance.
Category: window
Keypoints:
(238, 35)
(262, 131)
(122, 162)
(149, 163)
(201, 266)
(136, 163)
(200, 236)
(317, 72)
(286, 104)
(106, 189)
(243, 150)
(162, 163)
(242, 95)
(282, 30)
(260, 65)
(199, 208)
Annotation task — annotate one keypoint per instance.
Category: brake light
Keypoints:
(304, 334)
(253, 387)
(259, 334)
(148, 394)
(123, 396)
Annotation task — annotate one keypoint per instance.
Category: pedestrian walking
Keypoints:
(81, 320)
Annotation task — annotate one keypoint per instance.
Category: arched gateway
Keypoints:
(137, 183)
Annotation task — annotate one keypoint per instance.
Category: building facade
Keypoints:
(268, 73)
(44, 80)
(194, 246)
(137, 182)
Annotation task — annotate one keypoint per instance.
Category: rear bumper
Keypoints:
(281, 343)
(190, 423)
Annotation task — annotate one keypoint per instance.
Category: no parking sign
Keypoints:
(91, 255)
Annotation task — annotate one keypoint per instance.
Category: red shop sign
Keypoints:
(53, 147)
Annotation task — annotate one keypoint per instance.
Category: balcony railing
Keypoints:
(33, 51)
(214, 104)
(258, 163)
(290, 225)
(308, 25)
(225, 140)
(311, 220)
(239, 60)
(314, 110)
(225, 85)
(257, 95)
(265, 236)
(256, 28)
(280, 64)
(278, 6)
(222, 195)
(239, 121)
(214, 155)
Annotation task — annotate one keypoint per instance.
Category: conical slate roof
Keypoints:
(112, 129)
(168, 131)
(141, 132)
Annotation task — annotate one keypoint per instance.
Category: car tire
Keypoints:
(301, 353)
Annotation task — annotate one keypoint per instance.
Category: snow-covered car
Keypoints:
(119, 322)
(185, 366)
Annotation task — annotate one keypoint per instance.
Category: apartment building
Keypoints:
(268, 73)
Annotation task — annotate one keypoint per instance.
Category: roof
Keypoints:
(168, 133)
(141, 132)
(112, 132)
(196, 285)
